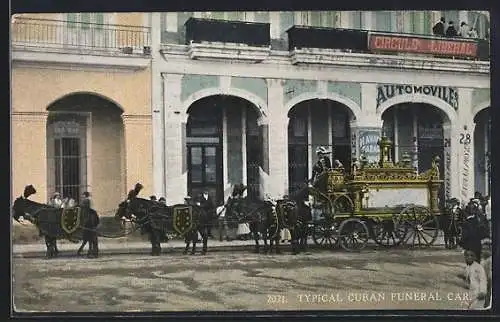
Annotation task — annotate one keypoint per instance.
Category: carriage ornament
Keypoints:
(70, 219)
(183, 219)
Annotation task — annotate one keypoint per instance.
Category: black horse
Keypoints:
(48, 221)
(296, 215)
(261, 217)
(451, 221)
(157, 220)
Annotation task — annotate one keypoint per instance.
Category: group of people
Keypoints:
(477, 251)
(162, 200)
(90, 235)
(464, 31)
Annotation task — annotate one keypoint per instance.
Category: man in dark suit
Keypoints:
(438, 29)
(451, 31)
(471, 233)
(206, 202)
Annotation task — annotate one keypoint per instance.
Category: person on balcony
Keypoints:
(438, 29)
(464, 30)
(451, 31)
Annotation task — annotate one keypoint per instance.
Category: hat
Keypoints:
(162, 199)
(322, 150)
(29, 190)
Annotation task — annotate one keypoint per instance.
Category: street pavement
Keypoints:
(240, 280)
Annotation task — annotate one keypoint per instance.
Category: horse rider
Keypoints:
(134, 192)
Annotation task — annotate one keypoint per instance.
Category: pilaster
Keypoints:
(464, 141)
(138, 154)
(175, 120)
(277, 183)
(29, 153)
(368, 129)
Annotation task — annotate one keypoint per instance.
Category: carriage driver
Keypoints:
(322, 165)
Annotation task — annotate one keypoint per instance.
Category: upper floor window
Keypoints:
(85, 20)
(384, 21)
(223, 15)
(327, 19)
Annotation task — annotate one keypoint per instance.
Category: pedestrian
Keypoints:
(471, 234)
(486, 263)
(464, 30)
(89, 234)
(475, 278)
(135, 192)
(163, 201)
(206, 202)
(451, 31)
(438, 29)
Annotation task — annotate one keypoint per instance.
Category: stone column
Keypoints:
(138, 154)
(277, 183)
(175, 119)
(29, 154)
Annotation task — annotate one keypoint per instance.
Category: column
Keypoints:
(157, 107)
(277, 183)
(369, 126)
(175, 119)
(29, 154)
(138, 153)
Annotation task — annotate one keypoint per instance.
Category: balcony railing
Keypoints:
(364, 41)
(89, 38)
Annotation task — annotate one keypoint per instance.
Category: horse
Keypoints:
(296, 215)
(48, 221)
(157, 219)
(451, 221)
(262, 220)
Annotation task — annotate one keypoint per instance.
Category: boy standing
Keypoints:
(476, 281)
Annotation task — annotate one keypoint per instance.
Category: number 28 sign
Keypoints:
(464, 138)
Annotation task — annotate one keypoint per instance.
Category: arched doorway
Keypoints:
(418, 129)
(314, 123)
(85, 150)
(482, 152)
(224, 146)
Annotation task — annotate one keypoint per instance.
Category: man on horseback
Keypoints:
(134, 192)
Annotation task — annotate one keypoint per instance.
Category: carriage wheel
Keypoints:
(388, 233)
(325, 234)
(354, 234)
(421, 224)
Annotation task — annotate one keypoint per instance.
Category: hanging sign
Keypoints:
(446, 94)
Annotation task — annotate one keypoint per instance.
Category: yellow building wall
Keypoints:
(34, 89)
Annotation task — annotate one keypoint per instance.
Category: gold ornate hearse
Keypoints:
(388, 202)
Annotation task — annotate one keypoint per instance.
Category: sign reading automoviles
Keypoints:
(388, 91)
(436, 46)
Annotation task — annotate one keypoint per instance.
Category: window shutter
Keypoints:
(218, 15)
(316, 18)
(99, 20)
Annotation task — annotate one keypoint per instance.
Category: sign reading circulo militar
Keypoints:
(447, 94)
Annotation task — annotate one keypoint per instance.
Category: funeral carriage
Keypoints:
(390, 203)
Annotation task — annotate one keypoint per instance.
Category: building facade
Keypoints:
(81, 105)
(246, 97)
